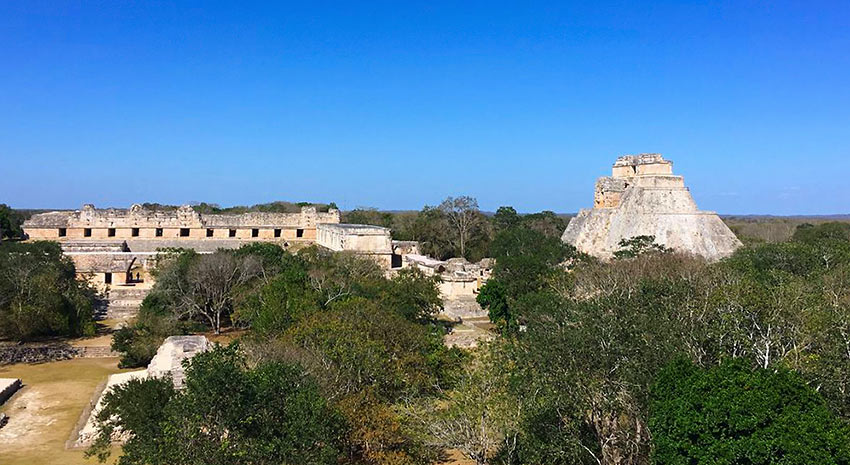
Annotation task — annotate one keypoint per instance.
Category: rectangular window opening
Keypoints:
(107, 278)
(158, 232)
(111, 232)
(62, 232)
(299, 233)
(209, 233)
(277, 233)
(135, 232)
(231, 233)
(255, 233)
(184, 232)
(87, 232)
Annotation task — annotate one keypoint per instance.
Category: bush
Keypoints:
(730, 414)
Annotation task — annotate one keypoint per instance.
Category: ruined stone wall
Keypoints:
(608, 192)
(644, 164)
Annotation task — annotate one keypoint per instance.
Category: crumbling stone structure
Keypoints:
(459, 282)
(643, 197)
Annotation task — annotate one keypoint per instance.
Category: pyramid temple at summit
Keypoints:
(643, 197)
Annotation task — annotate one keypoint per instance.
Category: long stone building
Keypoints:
(184, 223)
(115, 246)
(643, 197)
(116, 249)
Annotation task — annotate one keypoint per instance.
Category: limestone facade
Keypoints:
(113, 247)
(182, 224)
(643, 197)
(374, 242)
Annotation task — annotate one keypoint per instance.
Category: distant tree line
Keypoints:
(456, 227)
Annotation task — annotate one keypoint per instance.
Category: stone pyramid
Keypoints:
(642, 197)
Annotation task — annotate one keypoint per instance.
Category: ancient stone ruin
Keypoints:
(643, 197)
(116, 249)
(116, 246)
(168, 361)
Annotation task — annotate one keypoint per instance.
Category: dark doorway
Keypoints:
(107, 278)
(396, 261)
(209, 233)
(299, 233)
(277, 233)
(110, 232)
(255, 233)
(62, 232)
(87, 232)
(232, 233)
(184, 232)
(158, 232)
(135, 232)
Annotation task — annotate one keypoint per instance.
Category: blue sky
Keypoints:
(399, 104)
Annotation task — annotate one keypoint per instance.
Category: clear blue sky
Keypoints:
(399, 104)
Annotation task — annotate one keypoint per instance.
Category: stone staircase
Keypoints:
(463, 308)
(121, 302)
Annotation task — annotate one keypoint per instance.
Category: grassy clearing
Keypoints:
(45, 411)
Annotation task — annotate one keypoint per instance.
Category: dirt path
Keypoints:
(45, 411)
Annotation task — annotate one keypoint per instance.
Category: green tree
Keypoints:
(369, 359)
(639, 245)
(546, 222)
(228, 413)
(40, 294)
(138, 341)
(494, 297)
(731, 414)
(524, 257)
(369, 216)
(832, 231)
(525, 260)
(10, 223)
(412, 295)
(276, 305)
(504, 218)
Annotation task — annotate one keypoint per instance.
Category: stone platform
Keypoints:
(8, 387)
